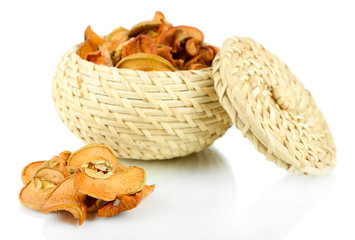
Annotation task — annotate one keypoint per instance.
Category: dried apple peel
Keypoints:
(145, 62)
(103, 184)
(29, 171)
(66, 197)
(103, 179)
(34, 194)
(124, 202)
(143, 26)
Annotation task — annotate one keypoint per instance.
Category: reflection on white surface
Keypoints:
(277, 211)
(31, 212)
(194, 198)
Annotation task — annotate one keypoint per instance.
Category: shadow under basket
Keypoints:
(140, 115)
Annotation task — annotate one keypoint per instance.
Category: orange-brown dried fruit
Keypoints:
(207, 55)
(101, 57)
(59, 162)
(66, 197)
(140, 44)
(164, 52)
(182, 44)
(193, 32)
(144, 26)
(85, 48)
(94, 179)
(192, 47)
(124, 202)
(93, 38)
(29, 171)
(145, 62)
(115, 38)
(34, 194)
(96, 172)
(161, 32)
(158, 16)
(196, 66)
(93, 204)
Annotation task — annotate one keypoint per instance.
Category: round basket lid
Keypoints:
(272, 108)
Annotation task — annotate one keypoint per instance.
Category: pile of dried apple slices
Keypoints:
(88, 180)
(152, 45)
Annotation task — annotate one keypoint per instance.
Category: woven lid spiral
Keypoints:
(272, 108)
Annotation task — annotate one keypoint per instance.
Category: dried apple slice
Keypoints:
(92, 37)
(101, 57)
(50, 174)
(143, 27)
(207, 55)
(161, 31)
(158, 16)
(170, 36)
(29, 171)
(164, 51)
(193, 32)
(192, 47)
(180, 39)
(97, 173)
(145, 62)
(115, 38)
(124, 202)
(85, 48)
(35, 192)
(59, 162)
(116, 34)
(141, 44)
(93, 204)
(196, 66)
(66, 197)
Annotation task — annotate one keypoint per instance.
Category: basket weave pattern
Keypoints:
(272, 108)
(140, 115)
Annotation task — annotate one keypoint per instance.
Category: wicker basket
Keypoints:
(140, 115)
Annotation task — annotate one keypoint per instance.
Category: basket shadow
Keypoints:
(195, 198)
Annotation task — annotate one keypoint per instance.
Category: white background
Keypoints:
(315, 39)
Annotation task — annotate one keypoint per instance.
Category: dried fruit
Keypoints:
(85, 48)
(59, 162)
(141, 44)
(145, 62)
(38, 189)
(93, 38)
(94, 204)
(158, 16)
(124, 202)
(192, 47)
(193, 32)
(101, 57)
(207, 55)
(66, 197)
(179, 45)
(143, 27)
(164, 52)
(30, 170)
(86, 180)
(116, 37)
(97, 173)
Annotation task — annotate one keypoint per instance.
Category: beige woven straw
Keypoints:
(272, 108)
(140, 115)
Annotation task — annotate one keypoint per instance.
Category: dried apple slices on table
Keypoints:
(88, 180)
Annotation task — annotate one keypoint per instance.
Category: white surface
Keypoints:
(195, 196)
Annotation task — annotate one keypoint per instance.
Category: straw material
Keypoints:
(140, 115)
(272, 108)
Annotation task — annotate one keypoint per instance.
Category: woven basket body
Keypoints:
(140, 115)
